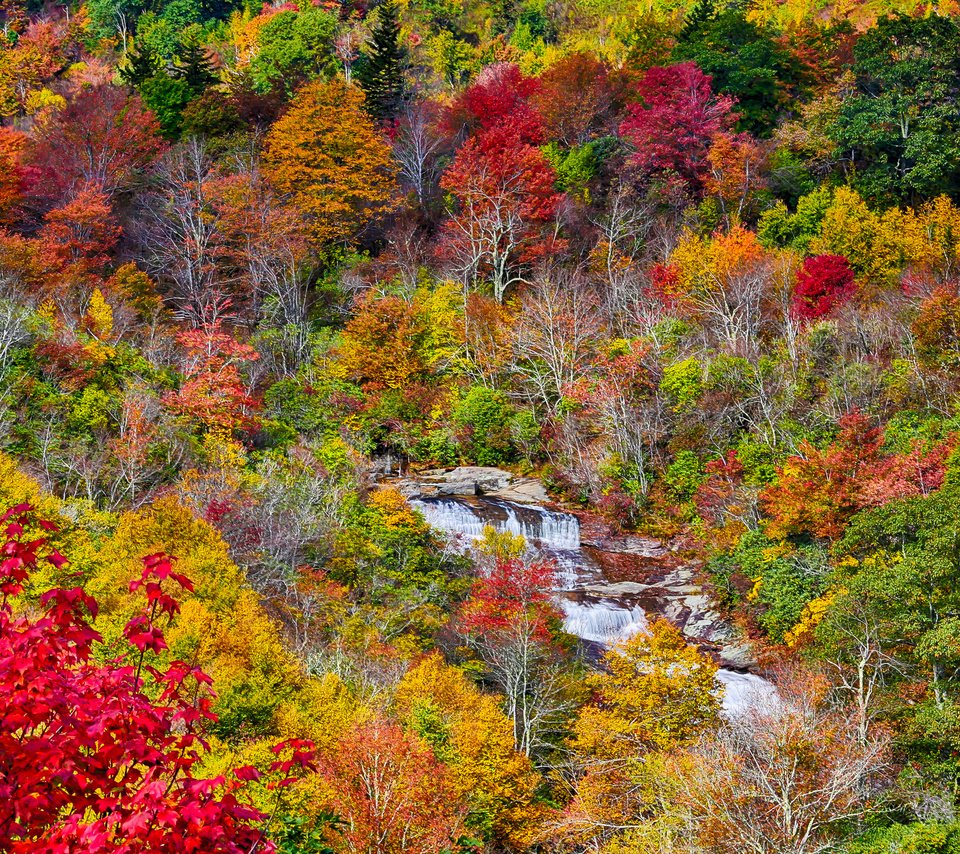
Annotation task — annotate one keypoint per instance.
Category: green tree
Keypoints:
(899, 128)
(382, 74)
(194, 67)
(745, 61)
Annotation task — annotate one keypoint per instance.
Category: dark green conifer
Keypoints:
(382, 74)
(195, 68)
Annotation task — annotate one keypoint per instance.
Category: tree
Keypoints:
(673, 126)
(13, 177)
(905, 560)
(786, 775)
(500, 98)
(100, 757)
(895, 127)
(509, 621)
(471, 735)
(656, 693)
(177, 230)
(745, 61)
(382, 74)
(505, 201)
(212, 391)
(816, 492)
(824, 283)
(104, 139)
(76, 240)
(195, 67)
(292, 47)
(417, 148)
(578, 99)
(722, 282)
(326, 154)
(390, 793)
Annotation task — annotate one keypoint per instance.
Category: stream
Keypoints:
(607, 589)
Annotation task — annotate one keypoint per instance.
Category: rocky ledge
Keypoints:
(485, 481)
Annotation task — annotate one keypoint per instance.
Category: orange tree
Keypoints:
(326, 154)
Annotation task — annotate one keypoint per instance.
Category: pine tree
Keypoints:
(139, 66)
(195, 68)
(381, 77)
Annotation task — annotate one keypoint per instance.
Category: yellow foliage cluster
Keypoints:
(499, 783)
(813, 614)
(879, 246)
(708, 264)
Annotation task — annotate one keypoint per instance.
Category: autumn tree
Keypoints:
(787, 774)
(829, 478)
(76, 240)
(500, 97)
(467, 730)
(326, 154)
(390, 793)
(213, 392)
(104, 139)
(509, 621)
(578, 98)
(504, 205)
(672, 127)
(723, 282)
(656, 693)
(14, 177)
(101, 755)
(824, 282)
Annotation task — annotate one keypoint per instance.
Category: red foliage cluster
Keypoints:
(515, 592)
(104, 138)
(819, 490)
(500, 98)
(89, 762)
(673, 126)
(213, 391)
(824, 283)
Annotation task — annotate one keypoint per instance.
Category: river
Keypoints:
(608, 588)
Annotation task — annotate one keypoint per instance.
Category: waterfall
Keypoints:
(602, 621)
(594, 610)
(553, 531)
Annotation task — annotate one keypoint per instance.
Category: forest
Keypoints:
(688, 270)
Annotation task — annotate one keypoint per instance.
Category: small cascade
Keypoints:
(550, 530)
(602, 621)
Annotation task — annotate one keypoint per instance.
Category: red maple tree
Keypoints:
(673, 126)
(99, 757)
(824, 282)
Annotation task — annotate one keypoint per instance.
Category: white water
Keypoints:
(539, 526)
(596, 618)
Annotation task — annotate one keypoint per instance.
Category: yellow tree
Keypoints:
(326, 154)
(657, 693)
(474, 738)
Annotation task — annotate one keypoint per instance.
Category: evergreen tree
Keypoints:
(381, 76)
(195, 68)
(138, 66)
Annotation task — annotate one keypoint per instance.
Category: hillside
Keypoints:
(678, 281)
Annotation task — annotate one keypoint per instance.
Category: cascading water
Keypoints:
(599, 612)
(546, 529)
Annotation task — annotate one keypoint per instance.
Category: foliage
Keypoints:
(326, 153)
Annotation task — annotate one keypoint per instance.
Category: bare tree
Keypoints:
(555, 337)
(416, 148)
(785, 776)
(177, 229)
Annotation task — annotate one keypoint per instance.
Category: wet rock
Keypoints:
(457, 487)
